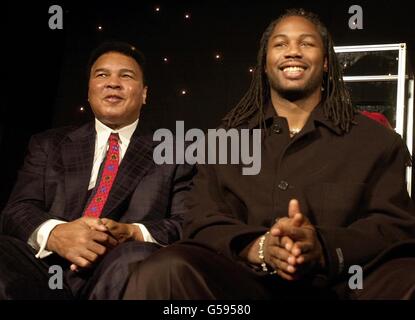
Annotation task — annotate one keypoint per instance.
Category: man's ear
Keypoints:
(145, 94)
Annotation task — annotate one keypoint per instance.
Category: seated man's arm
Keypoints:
(169, 229)
(39, 238)
(146, 235)
(25, 210)
(215, 221)
(26, 215)
(387, 217)
(128, 231)
(162, 231)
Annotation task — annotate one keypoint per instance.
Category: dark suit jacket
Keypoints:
(54, 180)
(351, 187)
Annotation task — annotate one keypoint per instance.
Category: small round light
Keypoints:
(251, 70)
(187, 16)
(100, 28)
(157, 9)
(184, 92)
(81, 109)
(165, 59)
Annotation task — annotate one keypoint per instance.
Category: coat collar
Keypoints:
(137, 161)
(316, 117)
(78, 155)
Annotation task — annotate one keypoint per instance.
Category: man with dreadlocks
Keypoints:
(330, 199)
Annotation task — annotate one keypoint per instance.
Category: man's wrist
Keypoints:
(50, 244)
(136, 233)
(250, 253)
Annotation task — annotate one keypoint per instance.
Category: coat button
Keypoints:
(276, 128)
(283, 185)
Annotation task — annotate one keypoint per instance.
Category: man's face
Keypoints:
(116, 89)
(295, 59)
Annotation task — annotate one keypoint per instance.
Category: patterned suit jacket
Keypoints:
(53, 184)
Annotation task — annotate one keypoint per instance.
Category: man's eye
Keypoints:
(307, 44)
(279, 44)
(127, 76)
(101, 75)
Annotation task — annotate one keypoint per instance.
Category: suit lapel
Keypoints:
(78, 157)
(135, 164)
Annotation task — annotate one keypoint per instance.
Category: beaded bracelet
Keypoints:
(261, 254)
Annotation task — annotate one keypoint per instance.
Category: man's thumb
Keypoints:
(96, 224)
(293, 208)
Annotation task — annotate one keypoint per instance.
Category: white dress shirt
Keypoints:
(40, 236)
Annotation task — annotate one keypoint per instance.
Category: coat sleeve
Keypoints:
(388, 217)
(25, 210)
(169, 229)
(214, 221)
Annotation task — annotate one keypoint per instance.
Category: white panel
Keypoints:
(400, 78)
(376, 47)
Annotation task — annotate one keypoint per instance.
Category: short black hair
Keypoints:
(120, 47)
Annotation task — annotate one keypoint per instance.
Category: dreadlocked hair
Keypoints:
(336, 101)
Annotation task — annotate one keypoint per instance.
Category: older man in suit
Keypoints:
(91, 200)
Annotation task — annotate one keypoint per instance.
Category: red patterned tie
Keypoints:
(109, 173)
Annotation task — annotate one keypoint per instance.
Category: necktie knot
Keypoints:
(113, 137)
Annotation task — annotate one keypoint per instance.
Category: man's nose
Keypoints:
(293, 51)
(113, 82)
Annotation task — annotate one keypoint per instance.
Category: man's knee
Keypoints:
(168, 264)
(161, 274)
(22, 276)
(13, 250)
(394, 279)
(7, 242)
(175, 257)
(130, 252)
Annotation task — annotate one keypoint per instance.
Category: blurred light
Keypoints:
(81, 109)
(157, 9)
(99, 28)
(251, 70)
(184, 92)
(217, 56)
(165, 59)
(187, 15)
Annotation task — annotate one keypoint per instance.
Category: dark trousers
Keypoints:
(22, 276)
(191, 271)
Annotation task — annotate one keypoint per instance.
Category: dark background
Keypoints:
(46, 82)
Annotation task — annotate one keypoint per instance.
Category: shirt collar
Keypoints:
(316, 116)
(103, 133)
